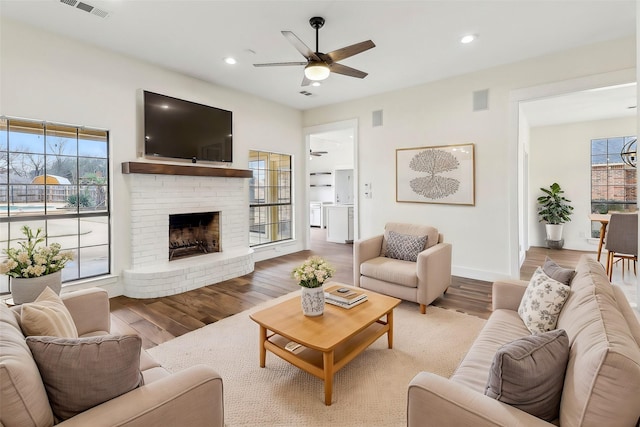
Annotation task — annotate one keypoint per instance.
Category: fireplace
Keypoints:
(193, 234)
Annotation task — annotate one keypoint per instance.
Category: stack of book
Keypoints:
(343, 296)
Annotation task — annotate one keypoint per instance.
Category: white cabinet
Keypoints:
(315, 214)
(340, 224)
(344, 186)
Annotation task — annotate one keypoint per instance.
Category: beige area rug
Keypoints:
(369, 391)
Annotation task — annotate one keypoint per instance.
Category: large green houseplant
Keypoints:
(554, 209)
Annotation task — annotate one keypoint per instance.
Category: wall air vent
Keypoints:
(86, 7)
(305, 93)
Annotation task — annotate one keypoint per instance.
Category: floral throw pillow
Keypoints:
(542, 302)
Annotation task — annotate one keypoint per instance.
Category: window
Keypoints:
(270, 209)
(56, 177)
(613, 182)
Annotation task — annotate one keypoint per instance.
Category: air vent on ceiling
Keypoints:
(86, 7)
(305, 93)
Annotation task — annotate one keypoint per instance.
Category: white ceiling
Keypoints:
(416, 41)
(594, 104)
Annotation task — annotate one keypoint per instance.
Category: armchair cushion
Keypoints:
(47, 316)
(405, 247)
(81, 373)
(528, 373)
(391, 270)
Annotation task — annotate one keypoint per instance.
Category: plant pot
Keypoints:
(312, 300)
(554, 231)
(28, 289)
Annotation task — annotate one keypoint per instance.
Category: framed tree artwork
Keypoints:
(439, 174)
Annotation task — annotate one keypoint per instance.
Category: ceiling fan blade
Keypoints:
(279, 64)
(347, 71)
(348, 51)
(300, 46)
(305, 81)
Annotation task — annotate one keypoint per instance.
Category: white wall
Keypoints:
(562, 154)
(440, 113)
(49, 77)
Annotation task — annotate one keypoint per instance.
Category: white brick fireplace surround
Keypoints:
(156, 196)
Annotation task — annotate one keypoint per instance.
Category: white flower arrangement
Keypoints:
(32, 260)
(313, 272)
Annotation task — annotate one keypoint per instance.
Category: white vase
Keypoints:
(554, 231)
(312, 300)
(28, 289)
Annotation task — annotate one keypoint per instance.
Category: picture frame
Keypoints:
(442, 174)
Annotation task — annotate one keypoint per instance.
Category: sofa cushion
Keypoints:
(501, 327)
(561, 274)
(602, 383)
(542, 301)
(528, 373)
(391, 270)
(412, 229)
(23, 399)
(47, 316)
(81, 373)
(405, 247)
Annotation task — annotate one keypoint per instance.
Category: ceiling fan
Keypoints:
(319, 65)
(317, 153)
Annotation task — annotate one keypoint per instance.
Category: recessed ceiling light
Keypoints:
(165, 106)
(468, 38)
(316, 84)
(231, 61)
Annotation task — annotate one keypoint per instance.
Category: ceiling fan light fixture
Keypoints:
(316, 71)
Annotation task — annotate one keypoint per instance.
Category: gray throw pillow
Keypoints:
(528, 373)
(80, 373)
(405, 247)
(561, 274)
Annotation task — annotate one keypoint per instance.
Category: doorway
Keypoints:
(331, 179)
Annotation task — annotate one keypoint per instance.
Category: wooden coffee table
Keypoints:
(329, 341)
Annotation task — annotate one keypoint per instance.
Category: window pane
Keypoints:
(93, 148)
(94, 261)
(71, 270)
(63, 231)
(94, 231)
(26, 137)
(61, 140)
(4, 134)
(613, 183)
(24, 167)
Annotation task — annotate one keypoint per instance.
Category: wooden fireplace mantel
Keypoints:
(191, 170)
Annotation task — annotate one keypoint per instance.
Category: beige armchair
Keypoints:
(385, 264)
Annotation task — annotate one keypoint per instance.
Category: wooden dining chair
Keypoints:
(622, 241)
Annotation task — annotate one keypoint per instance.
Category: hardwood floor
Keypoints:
(158, 320)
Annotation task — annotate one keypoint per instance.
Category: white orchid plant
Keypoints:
(313, 272)
(32, 259)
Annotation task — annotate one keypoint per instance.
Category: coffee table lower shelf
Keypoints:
(324, 364)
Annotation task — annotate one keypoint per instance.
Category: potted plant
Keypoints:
(311, 275)
(32, 267)
(554, 209)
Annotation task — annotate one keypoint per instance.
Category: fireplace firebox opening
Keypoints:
(193, 234)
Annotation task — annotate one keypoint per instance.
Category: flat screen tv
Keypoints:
(179, 129)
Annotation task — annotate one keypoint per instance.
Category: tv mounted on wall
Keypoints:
(174, 128)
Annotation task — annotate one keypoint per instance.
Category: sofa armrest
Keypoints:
(192, 397)
(89, 309)
(434, 272)
(363, 250)
(507, 294)
(437, 401)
